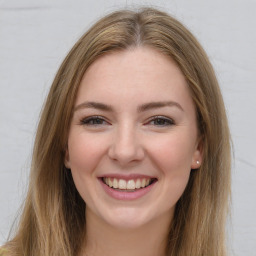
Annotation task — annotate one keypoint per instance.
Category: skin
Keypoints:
(158, 141)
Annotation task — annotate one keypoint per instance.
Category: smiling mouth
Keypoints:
(128, 185)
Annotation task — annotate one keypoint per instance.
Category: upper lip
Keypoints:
(127, 176)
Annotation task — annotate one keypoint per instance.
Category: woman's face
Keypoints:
(133, 138)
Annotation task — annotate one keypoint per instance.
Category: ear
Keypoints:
(66, 160)
(197, 155)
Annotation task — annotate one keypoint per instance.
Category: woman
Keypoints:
(132, 153)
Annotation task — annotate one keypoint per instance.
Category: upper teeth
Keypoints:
(127, 184)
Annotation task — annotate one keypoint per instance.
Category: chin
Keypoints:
(129, 218)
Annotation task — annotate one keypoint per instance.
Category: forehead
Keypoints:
(124, 75)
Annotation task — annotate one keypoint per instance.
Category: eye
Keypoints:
(94, 121)
(161, 121)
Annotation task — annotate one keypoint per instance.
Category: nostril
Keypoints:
(126, 154)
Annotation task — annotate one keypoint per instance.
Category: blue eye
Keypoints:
(93, 120)
(161, 121)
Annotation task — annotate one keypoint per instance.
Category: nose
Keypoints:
(126, 146)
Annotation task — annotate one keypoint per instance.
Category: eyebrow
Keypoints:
(159, 104)
(141, 108)
(95, 105)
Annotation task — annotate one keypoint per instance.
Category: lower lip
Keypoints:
(124, 195)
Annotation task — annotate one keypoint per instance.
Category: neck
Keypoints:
(103, 239)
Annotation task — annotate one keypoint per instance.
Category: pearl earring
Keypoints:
(197, 162)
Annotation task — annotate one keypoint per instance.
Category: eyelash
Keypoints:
(99, 120)
(167, 121)
(90, 121)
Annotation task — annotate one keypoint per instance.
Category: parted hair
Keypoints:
(53, 216)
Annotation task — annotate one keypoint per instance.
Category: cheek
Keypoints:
(172, 153)
(85, 152)
(172, 156)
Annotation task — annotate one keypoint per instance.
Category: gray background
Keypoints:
(36, 35)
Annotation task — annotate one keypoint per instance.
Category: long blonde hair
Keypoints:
(53, 219)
